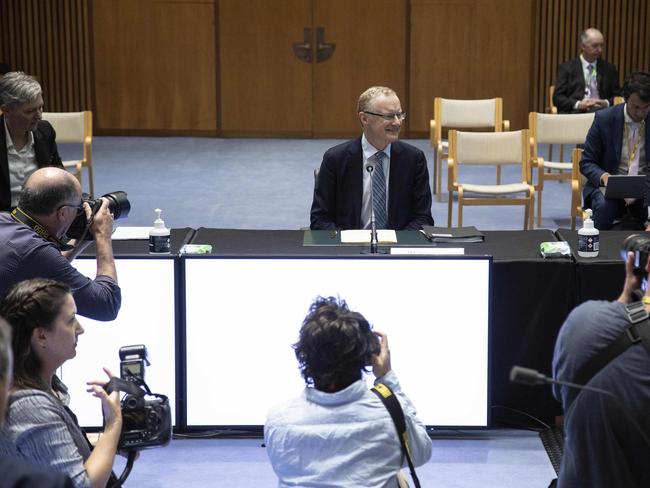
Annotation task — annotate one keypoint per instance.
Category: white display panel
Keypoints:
(244, 314)
(146, 317)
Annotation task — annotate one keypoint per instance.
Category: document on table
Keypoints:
(362, 236)
(430, 251)
(130, 233)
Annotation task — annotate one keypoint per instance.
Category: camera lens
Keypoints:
(118, 204)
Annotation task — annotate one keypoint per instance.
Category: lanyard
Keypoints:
(633, 146)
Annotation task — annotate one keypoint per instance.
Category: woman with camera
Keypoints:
(39, 426)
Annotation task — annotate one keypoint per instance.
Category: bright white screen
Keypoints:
(244, 314)
(146, 317)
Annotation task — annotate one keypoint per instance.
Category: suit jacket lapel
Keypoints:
(617, 132)
(579, 74)
(393, 184)
(356, 171)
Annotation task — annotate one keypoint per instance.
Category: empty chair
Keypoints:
(462, 114)
(563, 129)
(75, 127)
(489, 148)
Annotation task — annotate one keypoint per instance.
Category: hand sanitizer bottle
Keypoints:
(159, 236)
(588, 238)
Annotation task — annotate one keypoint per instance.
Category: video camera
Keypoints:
(118, 205)
(146, 422)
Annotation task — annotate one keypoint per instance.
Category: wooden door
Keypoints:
(153, 69)
(371, 49)
(265, 89)
(470, 49)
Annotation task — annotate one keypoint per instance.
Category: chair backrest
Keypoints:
(559, 128)
(488, 148)
(475, 114)
(551, 107)
(70, 126)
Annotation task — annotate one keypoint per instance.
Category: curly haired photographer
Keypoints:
(39, 427)
(337, 432)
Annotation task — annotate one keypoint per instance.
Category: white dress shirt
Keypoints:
(22, 163)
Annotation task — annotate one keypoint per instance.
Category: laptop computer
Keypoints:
(625, 186)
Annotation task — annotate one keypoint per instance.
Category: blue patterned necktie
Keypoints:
(379, 190)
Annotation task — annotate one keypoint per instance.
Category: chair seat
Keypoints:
(495, 189)
(558, 165)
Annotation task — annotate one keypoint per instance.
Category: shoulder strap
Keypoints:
(394, 408)
(637, 331)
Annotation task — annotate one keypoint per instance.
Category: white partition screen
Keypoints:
(243, 315)
(147, 317)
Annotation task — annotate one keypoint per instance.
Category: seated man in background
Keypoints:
(31, 242)
(618, 143)
(337, 432)
(400, 179)
(17, 473)
(26, 142)
(586, 83)
(607, 440)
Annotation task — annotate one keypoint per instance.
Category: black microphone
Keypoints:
(373, 226)
(527, 376)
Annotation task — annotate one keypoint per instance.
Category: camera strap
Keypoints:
(637, 332)
(394, 408)
(118, 384)
(25, 219)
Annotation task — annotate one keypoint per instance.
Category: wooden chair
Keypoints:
(489, 148)
(462, 114)
(563, 129)
(576, 187)
(75, 127)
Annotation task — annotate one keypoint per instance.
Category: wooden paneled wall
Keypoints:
(153, 66)
(624, 23)
(50, 39)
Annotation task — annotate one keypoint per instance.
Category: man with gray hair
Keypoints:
(376, 168)
(17, 473)
(26, 142)
(588, 82)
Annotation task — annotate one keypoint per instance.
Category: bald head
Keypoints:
(48, 188)
(592, 42)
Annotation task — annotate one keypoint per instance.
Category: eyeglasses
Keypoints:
(389, 117)
(79, 208)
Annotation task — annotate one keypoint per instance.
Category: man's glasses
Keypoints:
(79, 208)
(389, 117)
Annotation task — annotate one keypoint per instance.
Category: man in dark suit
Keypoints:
(618, 143)
(26, 142)
(586, 83)
(17, 473)
(376, 168)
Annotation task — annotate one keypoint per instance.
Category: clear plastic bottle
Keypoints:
(159, 236)
(588, 238)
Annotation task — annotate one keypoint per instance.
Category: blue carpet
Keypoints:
(260, 183)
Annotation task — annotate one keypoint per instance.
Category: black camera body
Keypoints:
(639, 244)
(118, 205)
(146, 416)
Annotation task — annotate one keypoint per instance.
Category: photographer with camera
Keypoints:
(606, 345)
(338, 432)
(17, 473)
(32, 242)
(39, 426)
